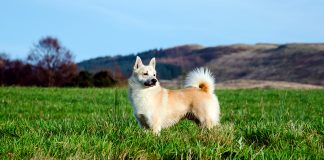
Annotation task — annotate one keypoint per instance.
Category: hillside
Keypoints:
(302, 63)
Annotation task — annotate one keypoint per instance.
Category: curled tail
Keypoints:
(201, 78)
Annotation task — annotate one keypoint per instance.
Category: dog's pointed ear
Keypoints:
(152, 62)
(138, 62)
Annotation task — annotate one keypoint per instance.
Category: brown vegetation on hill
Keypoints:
(301, 63)
(298, 62)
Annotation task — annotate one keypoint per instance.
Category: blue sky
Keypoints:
(92, 28)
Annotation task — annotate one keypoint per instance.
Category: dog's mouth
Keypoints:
(149, 84)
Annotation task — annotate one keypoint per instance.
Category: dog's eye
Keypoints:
(154, 75)
(145, 74)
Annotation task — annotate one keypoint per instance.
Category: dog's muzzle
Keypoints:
(150, 83)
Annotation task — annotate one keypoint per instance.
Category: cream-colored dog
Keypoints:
(156, 107)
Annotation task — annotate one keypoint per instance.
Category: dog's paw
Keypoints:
(157, 132)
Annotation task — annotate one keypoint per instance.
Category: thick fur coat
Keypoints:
(156, 107)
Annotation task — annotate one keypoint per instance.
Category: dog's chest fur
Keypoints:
(144, 105)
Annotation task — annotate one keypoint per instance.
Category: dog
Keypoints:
(156, 108)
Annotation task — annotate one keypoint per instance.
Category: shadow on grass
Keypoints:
(258, 137)
(4, 133)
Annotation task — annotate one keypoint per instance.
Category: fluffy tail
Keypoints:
(201, 78)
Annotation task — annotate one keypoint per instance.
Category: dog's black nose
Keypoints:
(153, 81)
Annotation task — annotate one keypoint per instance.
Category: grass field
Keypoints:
(71, 123)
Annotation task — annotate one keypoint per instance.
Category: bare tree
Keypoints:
(3, 63)
(55, 61)
(4, 56)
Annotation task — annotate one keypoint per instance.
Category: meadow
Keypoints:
(98, 123)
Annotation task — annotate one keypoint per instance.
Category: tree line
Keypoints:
(51, 64)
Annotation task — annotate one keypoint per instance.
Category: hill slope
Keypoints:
(301, 63)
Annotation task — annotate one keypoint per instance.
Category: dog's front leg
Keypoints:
(156, 126)
(157, 130)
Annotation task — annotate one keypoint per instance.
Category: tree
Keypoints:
(83, 79)
(103, 79)
(3, 63)
(13, 72)
(55, 62)
(4, 56)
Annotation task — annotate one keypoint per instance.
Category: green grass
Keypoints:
(44, 123)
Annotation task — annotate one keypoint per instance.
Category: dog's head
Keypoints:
(145, 75)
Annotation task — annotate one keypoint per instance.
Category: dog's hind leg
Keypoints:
(209, 123)
(211, 120)
(208, 114)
